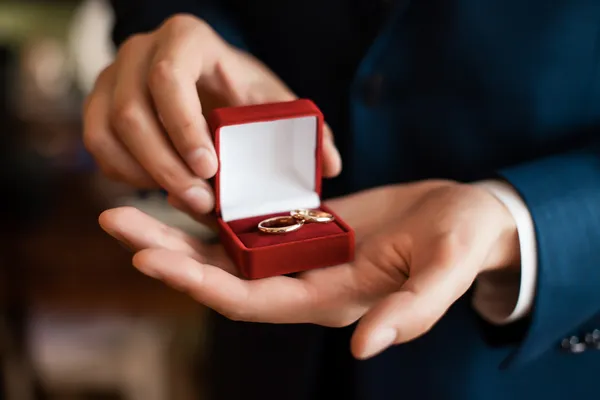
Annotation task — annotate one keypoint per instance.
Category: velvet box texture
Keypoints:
(270, 164)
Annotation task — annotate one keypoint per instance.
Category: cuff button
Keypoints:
(592, 339)
(573, 345)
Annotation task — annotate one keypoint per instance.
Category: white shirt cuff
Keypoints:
(504, 297)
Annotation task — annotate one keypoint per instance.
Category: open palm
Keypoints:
(415, 257)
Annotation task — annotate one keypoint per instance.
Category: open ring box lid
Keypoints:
(270, 164)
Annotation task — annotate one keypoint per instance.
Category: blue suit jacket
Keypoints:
(461, 89)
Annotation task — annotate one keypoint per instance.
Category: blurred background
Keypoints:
(76, 320)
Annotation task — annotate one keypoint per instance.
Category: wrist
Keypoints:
(505, 253)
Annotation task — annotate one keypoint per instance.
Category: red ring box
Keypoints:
(269, 164)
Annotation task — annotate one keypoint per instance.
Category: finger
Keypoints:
(332, 161)
(175, 69)
(271, 300)
(111, 156)
(425, 297)
(140, 231)
(139, 129)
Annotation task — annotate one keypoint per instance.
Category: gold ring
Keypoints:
(312, 216)
(279, 225)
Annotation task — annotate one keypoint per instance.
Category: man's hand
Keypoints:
(144, 120)
(420, 247)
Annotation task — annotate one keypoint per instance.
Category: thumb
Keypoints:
(411, 312)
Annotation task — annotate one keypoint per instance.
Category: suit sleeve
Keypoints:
(562, 193)
(136, 16)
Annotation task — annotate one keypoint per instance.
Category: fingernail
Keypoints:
(379, 341)
(203, 162)
(198, 199)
